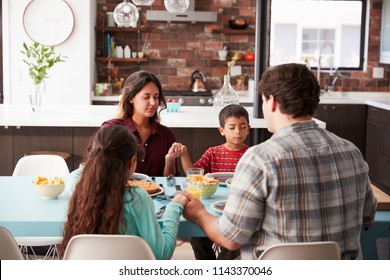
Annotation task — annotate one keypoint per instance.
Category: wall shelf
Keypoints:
(121, 29)
(238, 62)
(229, 31)
(113, 59)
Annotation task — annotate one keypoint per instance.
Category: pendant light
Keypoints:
(143, 2)
(126, 14)
(176, 6)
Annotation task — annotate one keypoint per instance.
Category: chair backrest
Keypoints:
(324, 250)
(9, 249)
(107, 247)
(41, 165)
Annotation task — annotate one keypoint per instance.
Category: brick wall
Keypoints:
(175, 50)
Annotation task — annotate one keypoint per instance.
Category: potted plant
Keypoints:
(39, 59)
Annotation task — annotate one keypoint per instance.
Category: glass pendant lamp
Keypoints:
(126, 14)
(143, 2)
(176, 6)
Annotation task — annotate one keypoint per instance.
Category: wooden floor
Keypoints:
(183, 250)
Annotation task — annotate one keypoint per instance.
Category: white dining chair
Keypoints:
(48, 166)
(323, 250)
(9, 249)
(107, 247)
(41, 165)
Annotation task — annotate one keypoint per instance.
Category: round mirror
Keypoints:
(48, 22)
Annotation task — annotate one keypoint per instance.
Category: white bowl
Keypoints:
(49, 191)
(139, 177)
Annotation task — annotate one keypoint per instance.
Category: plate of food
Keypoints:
(218, 206)
(221, 176)
(139, 177)
(152, 188)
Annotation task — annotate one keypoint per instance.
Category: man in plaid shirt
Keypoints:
(304, 184)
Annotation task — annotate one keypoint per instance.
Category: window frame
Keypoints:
(364, 20)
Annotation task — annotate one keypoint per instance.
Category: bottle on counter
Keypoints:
(127, 52)
(307, 62)
(226, 95)
(118, 52)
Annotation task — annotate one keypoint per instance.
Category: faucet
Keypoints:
(332, 80)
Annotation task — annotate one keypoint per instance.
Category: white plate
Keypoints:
(221, 176)
(218, 206)
(139, 177)
(161, 191)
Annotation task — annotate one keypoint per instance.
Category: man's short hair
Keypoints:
(232, 110)
(294, 87)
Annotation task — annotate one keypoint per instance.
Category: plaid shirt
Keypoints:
(155, 147)
(304, 184)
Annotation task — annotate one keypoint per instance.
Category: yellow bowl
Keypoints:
(49, 191)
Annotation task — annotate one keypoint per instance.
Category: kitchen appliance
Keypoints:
(190, 98)
(189, 16)
(197, 81)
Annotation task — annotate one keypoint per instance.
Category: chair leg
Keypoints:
(52, 253)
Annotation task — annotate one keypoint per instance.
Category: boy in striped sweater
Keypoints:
(234, 126)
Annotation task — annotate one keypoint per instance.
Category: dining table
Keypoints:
(24, 213)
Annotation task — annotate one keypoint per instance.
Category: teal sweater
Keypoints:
(140, 220)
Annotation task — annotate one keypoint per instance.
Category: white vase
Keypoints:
(37, 95)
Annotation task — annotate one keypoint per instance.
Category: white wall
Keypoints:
(70, 82)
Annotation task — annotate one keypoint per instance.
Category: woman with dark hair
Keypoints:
(142, 97)
(103, 203)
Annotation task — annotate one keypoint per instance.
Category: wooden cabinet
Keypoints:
(345, 120)
(378, 147)
(15, 142)
(81, 141)
(26, 139)
(6, 151)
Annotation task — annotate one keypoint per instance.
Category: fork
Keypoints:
(160, 212)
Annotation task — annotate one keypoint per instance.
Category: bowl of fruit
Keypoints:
(238, 23)
(208, 184)
(49, 187)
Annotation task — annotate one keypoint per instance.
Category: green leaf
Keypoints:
(39, 60)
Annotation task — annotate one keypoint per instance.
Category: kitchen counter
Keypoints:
(376, 99)
(95, 115)
(189, 116)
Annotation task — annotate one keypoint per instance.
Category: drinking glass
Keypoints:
(194, 171)
(194, 188)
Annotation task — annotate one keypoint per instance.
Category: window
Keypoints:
(329, 31)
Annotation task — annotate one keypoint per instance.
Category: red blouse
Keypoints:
(152, 162)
